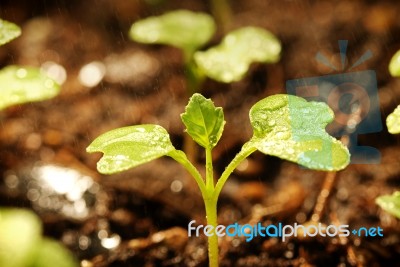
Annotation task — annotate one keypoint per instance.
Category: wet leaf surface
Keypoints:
(8, 31)
(20, 85)
(127, 147)
(291, 128)
(393, 121)
(204, 122)
(390, 203)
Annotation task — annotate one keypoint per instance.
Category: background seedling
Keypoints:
(182, 29)
(391, 203)
(18, 84)
(283, 125)
(22, 244)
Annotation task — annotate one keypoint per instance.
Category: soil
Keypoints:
(140, 217)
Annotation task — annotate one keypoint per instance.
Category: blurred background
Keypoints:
(139, 217)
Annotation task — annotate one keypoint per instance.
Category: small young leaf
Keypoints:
(394, 65)
(25, 84)
(204, 122)
(182, 29)
(229, 61)
(390, 203)
(128, 147)
(291, 128)
(393, 121)
(8, 31)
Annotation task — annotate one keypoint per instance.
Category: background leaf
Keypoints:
(204, 122)
(127, 147)
(8, 31)
(394, 65)
(20, 234)
(291, 128)
(182, 28)
(25, 84)
(393, 121)
(390, 203)
(51, 253)
(230, 60)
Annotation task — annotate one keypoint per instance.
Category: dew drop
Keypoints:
(21, 73)
(290, 150)
(282, 135)
(271, 122)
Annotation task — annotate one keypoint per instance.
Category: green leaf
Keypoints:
(390, 203)
(128, 147)
(394, 65)
(204, 122)
(8, 31)
(25, 84)
(20, 234)
(291, 128)
(182, 28)
(393, 121)
(229, 61)
(51, 253)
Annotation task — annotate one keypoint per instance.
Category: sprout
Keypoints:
(285, 126)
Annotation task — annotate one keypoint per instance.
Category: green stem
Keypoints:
(246, 151)
(181, 158)
(209, 172)
(194, 79)
(211, 214)
(222, 12)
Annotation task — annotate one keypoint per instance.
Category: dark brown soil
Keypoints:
(149, 207)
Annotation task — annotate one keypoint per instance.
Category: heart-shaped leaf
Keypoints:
(8, 31)
(204, 122)
(390, 203)
(229, 61)
(25, 84)
(127, 147)
(291, 128)
(393, 121)
(182, 29)
(394, 65)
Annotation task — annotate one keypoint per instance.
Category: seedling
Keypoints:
(285, 126)
(22, 244)
(182, 29)
(391, 203)
(189, 31)
(22, 84)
